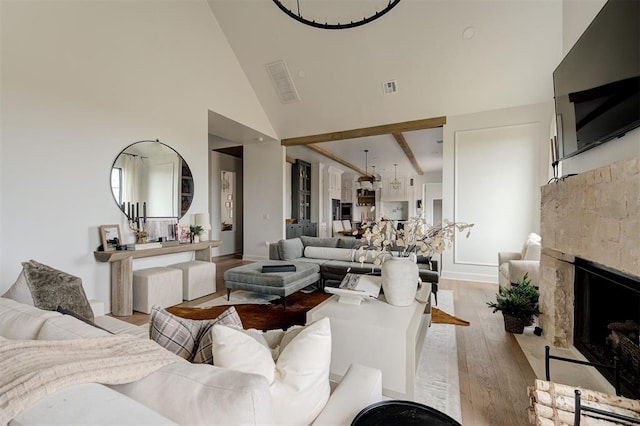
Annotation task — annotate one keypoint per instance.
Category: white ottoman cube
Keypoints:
(198, 278)
(156, 286)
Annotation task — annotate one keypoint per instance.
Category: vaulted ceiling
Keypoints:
(448, 57)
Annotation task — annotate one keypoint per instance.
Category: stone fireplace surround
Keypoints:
(594, 216)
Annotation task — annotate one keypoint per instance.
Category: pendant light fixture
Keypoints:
(366, 181)
(395, 184)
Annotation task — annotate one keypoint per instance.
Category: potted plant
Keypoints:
(196, 230)
(518, 304)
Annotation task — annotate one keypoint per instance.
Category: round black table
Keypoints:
(397, 412)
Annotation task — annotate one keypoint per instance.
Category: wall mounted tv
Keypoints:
(597, 85)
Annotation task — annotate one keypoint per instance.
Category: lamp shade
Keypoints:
(202, 219)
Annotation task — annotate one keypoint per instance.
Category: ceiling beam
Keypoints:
(406, 126)
(330, 155)
(399, 137)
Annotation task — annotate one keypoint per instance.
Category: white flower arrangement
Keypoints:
(416, 237)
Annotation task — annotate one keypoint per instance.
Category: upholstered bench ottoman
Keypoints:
(250, 277)
(198, 278)
(156, 286)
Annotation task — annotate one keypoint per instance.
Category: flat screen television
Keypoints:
(597, 84)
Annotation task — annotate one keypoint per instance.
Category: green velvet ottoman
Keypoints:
(250, 277)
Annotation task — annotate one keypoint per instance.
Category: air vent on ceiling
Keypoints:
(282, 82)
(390, 87)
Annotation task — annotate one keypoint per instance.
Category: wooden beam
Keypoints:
(406, 126)
(399, 137)
(290, 159)
(335, 158)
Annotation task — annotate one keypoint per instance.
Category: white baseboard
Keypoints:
(467, 276)
(254, 258)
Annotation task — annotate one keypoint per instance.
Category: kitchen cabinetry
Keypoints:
(346, 195)
(301, 191)
(299, 229)
(334, 183)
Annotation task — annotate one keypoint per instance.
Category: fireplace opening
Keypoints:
(607, 322)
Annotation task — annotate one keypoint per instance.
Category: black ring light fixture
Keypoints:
(337, 25)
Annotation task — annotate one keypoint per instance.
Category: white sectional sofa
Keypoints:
(178, 393)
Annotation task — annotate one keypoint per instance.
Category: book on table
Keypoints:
(356, 287)
(279, 268)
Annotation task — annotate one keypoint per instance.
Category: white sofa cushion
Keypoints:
(117, 326)
(202, 394)
(345, 254)
(20, 321)
(88, 404)
(298, 377)
(66, 327)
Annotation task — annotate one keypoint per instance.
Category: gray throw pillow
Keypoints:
(291, 249)
(51, 288)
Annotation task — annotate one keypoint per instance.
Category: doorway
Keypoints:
(226, 199)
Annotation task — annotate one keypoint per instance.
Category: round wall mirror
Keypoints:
(150, 179)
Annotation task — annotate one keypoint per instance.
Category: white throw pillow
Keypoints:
(299, 375)
(19, 291)
(531, 238)
(532, 252)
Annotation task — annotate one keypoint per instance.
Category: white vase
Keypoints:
(399, 280)
(196, 239)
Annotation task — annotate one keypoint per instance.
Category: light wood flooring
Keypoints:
(494, 372)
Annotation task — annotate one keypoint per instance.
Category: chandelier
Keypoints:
(334, 16)
(395, 184)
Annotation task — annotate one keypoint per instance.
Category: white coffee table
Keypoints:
(378, 335)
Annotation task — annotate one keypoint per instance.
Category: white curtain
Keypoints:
(131, 166)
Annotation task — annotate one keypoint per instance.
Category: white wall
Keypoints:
(263, 198)
(79, 82)
(494, 164)
(577, 15)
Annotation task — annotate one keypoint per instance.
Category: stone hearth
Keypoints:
(594, 216)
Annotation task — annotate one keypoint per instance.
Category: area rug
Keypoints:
(437, 380)
(259, 315)
(301, 303)
(239, 297)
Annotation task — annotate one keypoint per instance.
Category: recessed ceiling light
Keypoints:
(468, 33)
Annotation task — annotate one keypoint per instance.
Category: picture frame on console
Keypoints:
(183, 233)
(110, 236)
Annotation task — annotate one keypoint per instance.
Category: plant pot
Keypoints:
(399, 281)
(514, 325)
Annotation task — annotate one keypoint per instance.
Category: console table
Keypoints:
(122, 269)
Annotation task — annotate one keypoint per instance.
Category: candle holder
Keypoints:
(138, 229)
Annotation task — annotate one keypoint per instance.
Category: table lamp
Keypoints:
(202, 219)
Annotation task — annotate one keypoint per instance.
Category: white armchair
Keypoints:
(513, 265)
